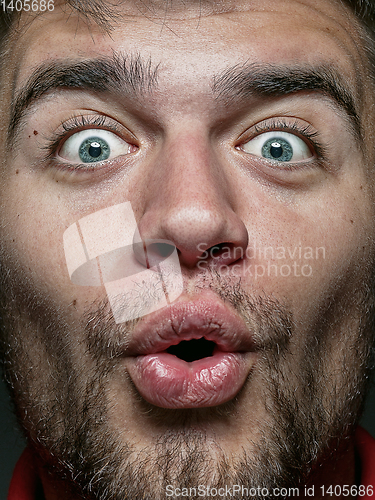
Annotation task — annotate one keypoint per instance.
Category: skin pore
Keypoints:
(179, 86)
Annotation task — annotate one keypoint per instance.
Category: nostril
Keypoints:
(150, 253)
(223, 253)
(192, 350)
(216, 250)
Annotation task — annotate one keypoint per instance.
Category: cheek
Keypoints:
(299, 251)
(308, 252)
(32, 244)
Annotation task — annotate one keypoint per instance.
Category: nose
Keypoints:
(189, 200)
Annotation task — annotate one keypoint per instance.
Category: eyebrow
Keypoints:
(117, 73)
(137, 76)
(244, 81)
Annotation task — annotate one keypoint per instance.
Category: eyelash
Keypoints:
(77, 124)
(303, 131)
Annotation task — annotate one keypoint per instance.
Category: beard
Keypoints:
(312, 391)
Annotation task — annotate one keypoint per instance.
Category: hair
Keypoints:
(364, 9)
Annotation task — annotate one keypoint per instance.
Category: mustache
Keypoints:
(270, 322)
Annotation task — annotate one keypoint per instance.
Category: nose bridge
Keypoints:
(193, 176)
(189, 196)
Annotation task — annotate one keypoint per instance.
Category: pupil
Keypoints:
(276, 150)
(95, 149)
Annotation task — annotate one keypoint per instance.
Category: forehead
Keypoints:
(193, 41)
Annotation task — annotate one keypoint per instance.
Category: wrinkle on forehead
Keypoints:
(182, 10)
(326, 20)
(185, 9)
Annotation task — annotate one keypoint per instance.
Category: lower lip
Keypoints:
(169, 382)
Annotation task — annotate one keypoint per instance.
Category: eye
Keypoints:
(278, 146)
(93, 145)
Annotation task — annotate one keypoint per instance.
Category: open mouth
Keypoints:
(191, 374)
(193, 350)
(193, 354)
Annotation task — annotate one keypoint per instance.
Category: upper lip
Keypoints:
(206, 317)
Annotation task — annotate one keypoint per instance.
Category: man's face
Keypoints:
(233, 133)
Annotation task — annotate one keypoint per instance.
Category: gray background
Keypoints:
(12, 443)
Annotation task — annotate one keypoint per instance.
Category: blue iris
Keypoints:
(277, 149)
(94, 149)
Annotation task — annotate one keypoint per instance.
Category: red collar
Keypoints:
(365, 445)
(25, 481)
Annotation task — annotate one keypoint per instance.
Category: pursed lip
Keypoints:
(165, 380)
(206, 317)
